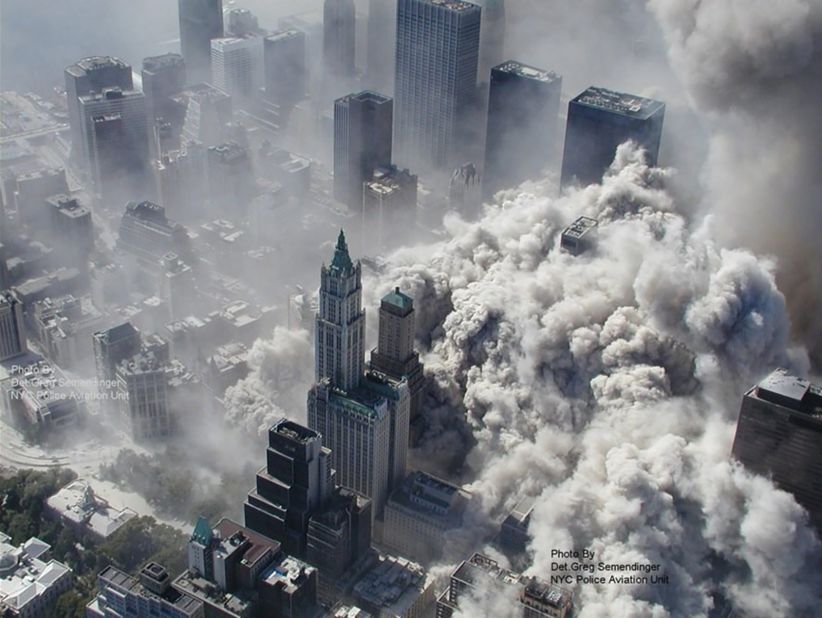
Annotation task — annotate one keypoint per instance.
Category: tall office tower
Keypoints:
(237, 66)
(296, 482)
(382, 44)
(779, 434)
(115, 141)
(492, 38)
(389, 208)
(362, 142)
(12, 328)
(436, 72)
(339, 38)
(89, 76)
(395, 355)
(339, 332)
(71, 221)
(163, 76)
(530, 597)
(200, 21)
(240, 22)
(142, 387)
(521, 137)
(599, 120)
(147, 234)
(112, 346)
(286, 79)
(356, 426)
(204, 113)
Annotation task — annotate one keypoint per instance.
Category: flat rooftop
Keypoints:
(365, 95)
(794, 393)
(282, 35)
(515, 67)
(580, 227)
(294, 431)
(618, 102)
(454, 5)
(163, 61)
(95, 63)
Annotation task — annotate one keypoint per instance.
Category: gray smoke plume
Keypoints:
(608, 385)
(755, 70)
(281, 371)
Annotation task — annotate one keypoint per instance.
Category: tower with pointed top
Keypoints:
(339, 334)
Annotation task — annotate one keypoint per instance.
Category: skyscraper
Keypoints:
(115, 142)
(394, 355)
(295, 483)
(599, 120)
(339, 38)
(200, 21)
(436, 71)
(286, 79)
(389, 208)
(237, 66)
(12, 328)
(89, 76)
(362, 142)
(779, 434)
(492, 37)
(339, 332)
(381, 44)
(163, 77)
(521, 138)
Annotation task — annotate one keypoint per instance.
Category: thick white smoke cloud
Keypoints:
(607, 385)
(754, 68)
(281, 371)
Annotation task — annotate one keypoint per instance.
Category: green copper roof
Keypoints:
(342, 261)
(202, 531)
(398, 299)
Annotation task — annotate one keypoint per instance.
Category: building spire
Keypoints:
(342, 260)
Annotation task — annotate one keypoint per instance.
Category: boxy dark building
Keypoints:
(599, 120)
(779, 433)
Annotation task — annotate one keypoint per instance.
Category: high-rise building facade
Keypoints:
(339, 333)
(339, 38)
(295, 483)
(436, 71)
(163, 76)
(521, 138)
(286, 77)
(381, 44)
(599, 120)
(389, 208)
(362, 142)
(12, 328)
(116, 142)
(200, 21)
(89, 76)
(395, 355)
(779, 434)
(237, 66)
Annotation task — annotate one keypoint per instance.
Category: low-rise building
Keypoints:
(419, 513)
(149, 596)
(65, 326)
(533, 596)
(395, 588)
(30, 582)
(77, 506)
(40, 398)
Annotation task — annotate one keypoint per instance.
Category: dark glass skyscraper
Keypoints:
(90, 76)
(779, 434)
(339, 38)
(599, 120)
(163, 77)
(523, 107)
(436, 71)
(200, 21)
(362, 142)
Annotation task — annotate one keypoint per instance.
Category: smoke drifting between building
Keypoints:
(599, 120)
